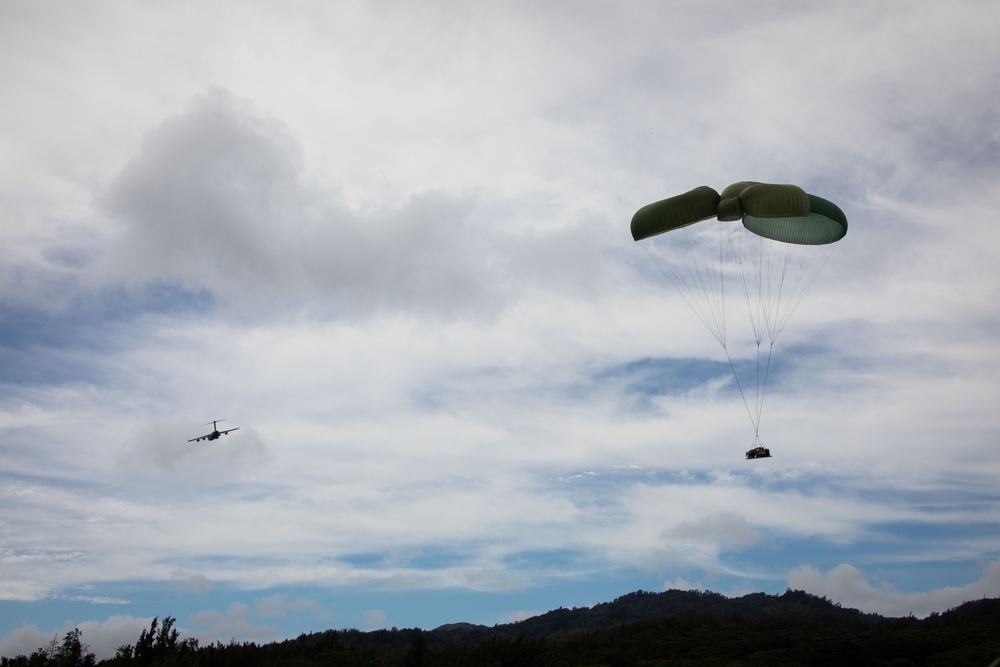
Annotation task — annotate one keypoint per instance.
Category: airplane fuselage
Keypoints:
(214, 435)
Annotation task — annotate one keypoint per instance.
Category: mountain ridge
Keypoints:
(638, 629)
(680, 604)
(698, 628)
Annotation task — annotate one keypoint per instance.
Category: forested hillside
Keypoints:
(670, 628)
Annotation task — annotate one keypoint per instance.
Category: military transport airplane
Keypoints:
(214, 435)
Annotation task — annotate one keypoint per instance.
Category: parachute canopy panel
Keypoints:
(824, 223)
(699, 204)
(763, 200)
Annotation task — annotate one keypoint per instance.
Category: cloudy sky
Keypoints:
(390, 242)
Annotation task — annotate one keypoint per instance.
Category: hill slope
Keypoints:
(697, 628)
(638, 629)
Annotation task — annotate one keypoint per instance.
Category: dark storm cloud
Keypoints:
(217, 199)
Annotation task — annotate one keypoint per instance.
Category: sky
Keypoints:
(390, 242)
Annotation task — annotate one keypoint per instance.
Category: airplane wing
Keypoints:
(229, 430)
(199, 439)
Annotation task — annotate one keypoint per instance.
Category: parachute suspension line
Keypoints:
(773, 278)
(762, 383)
(749, 265)
(781, 282)
(698, 269)
(699, 277)
(772, 285)
(802, 283)
(710, 281)
(687, 289)
(739, 386)
(720, 273)
(750, 271)
(757, 397)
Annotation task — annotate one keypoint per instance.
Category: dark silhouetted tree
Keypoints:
(417, 655)
(73, 652)
(156, 645)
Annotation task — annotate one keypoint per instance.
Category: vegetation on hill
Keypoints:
(640, 629)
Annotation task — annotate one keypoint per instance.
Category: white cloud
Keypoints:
(372, 619)
(166, 447)
(234, 624)
(193, 580)
(102, 638)
(407, 279)
(216, 199)
(727, 527)
(682, 584)
(846, 585)
(24, 640)
(276, 606)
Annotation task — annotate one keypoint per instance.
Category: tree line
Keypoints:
(641, 629)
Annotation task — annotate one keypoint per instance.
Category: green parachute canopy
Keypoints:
(783, 213)
(676, 212)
